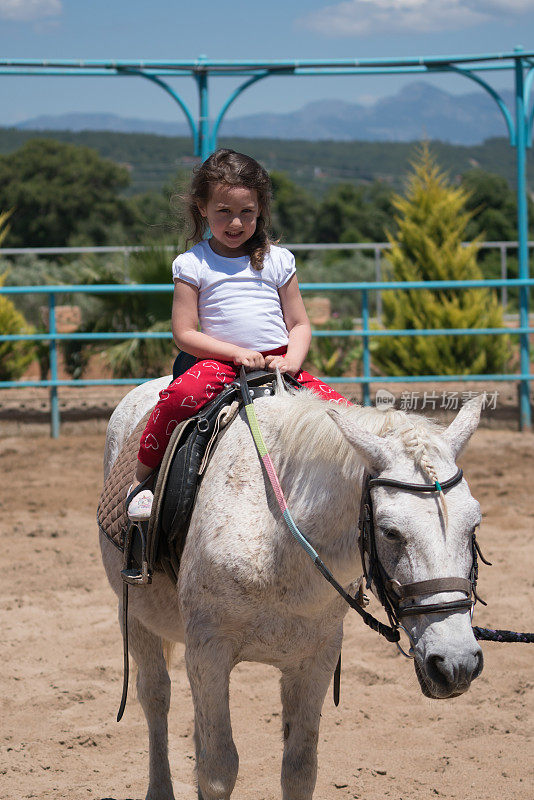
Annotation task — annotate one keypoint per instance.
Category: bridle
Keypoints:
(400, 600)
(390, 593)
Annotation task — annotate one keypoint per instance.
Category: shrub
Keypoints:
(428, 246)
(334, 356)
(15, 357)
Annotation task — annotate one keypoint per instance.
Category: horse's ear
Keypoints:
(373, 449)
(464, 425)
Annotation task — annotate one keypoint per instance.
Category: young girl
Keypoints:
(244, 293)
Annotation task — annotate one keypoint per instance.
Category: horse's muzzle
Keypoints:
(442, 677)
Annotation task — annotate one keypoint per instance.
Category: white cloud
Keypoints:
(360, 17)
(510, 6)
(29, 10)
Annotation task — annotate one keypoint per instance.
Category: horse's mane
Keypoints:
(306, 428)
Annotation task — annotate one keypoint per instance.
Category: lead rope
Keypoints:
(389, 633)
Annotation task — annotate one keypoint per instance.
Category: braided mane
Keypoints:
(307, 429)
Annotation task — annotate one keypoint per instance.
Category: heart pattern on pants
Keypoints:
(193, 390)
(151, 443)
(189, 402)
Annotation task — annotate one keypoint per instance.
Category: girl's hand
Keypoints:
(250, 359)
(283, 364)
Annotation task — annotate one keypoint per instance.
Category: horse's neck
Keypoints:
(323, 497)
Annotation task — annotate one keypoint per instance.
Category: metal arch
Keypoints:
(512, 132)
(228, 103)
(466, 65)
(166, 88)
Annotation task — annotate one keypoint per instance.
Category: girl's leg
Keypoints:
(187, 394)
(180, 400)
(321, 389)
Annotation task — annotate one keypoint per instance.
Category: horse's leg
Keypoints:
(304, 687)
(209, 663)
(154, 693)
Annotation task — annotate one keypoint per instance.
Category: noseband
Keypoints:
(399, 600)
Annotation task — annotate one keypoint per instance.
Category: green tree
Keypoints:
(62, 194)
(493, 206)
(353, 214)
(293, 209)
(340, 215)
(431, 224)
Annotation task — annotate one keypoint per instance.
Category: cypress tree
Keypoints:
(431, 223)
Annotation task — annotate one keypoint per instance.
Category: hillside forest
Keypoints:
(58, 193)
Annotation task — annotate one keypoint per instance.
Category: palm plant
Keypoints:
(129, 312)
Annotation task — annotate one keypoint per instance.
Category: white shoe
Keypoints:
(140, 507)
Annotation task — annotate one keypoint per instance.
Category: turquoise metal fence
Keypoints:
(518, 119)
(365, 332)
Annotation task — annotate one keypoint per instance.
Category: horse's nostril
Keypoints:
(479, 664)
(456, 673)
(436, 669)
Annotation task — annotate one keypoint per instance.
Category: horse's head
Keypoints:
(423, 537)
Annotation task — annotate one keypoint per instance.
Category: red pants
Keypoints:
(192, 390)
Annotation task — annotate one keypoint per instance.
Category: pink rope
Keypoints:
(269, 466)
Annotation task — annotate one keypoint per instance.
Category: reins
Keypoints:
(389, 633)
(390, 593)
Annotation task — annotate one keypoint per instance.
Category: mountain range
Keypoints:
(419, 110)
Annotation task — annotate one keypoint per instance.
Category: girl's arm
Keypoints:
(298, 325)
(189, 338)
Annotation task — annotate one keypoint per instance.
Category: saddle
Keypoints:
(158, 544)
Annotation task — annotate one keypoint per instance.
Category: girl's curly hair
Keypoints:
(234, 169)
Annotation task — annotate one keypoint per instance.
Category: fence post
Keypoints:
(52, 345)
(522, 232)
(378, 278)
(504, 275)
(366, 355)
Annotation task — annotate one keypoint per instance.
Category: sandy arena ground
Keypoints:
(62, 659)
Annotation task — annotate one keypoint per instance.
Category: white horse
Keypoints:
(247, 592)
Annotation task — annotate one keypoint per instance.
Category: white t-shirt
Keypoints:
(236, 303)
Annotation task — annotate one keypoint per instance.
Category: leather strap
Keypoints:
(433, 586)
(337, 680)
(126, 660)
(417, 487)
(434, 608)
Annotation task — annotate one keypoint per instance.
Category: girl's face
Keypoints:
(232, 213)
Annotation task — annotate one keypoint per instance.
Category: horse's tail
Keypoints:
(168, 650)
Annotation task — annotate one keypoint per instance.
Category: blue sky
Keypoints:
(108, 29)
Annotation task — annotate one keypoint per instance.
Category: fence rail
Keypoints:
(376, 248)
(53, 337)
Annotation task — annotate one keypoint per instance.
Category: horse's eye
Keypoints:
(392, 535)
